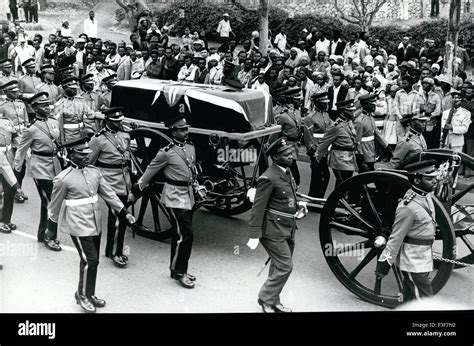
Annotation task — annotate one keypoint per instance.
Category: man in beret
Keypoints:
(48, 86)
(273, 223)
(41, 136)
(177, 161)
(91, 98)
(413, 233)
(315, 125)
(75, 192)
(455, 123)
(430, 103)
(111, 154)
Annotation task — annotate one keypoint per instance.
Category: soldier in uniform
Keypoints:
(315, 125)
(273, 222)
(91, 97)
(111, 153)
(341, 136)
(177, 161)
(8, 183)
(106, 97)
(367, 133)
(28, 85)
(47, 74)
(412, 144)
(41, 137)
(70, 111)
(75, 194)
(413, 233)
(6, 75)
(14, 109)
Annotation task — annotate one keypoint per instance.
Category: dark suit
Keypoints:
(341, 96)
(272, 220)
(406, 56)
(170, 69)
(339, 47)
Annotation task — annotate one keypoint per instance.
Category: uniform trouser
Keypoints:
(364, 166)
(45, 188)
(341, 175)
(34, 13)
(416, 286)
(432, 137)
(8, 200)
(21, 174)
(319, 177)
(115, 226)
(181, 240)
(281, 265)
(296, 173)
(88, 249)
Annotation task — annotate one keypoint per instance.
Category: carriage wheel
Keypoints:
(145, 144)
(358, 212)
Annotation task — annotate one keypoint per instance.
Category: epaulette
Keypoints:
(189, 142)
(168, 147)
(101, 132)
(65, 172)
(409, 198)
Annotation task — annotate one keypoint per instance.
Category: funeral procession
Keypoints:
(160, 157)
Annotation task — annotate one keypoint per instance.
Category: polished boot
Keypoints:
(84, 302)
(97, 302)
(119, 261)
(266, 308)
(281, 308)
(183, 280)
(52, 244)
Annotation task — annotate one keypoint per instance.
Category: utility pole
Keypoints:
(263, 21)
(453, 34)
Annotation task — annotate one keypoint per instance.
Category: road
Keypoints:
(35, 279)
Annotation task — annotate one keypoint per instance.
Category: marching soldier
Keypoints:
(70, 111)
(41, 137)
(413, 233)
(91, 97)
(342, 137)
(28, 85)
(367, 133)
(47, 73)
(111, 153)
(273, 223)
(6, 75)
(412, 144)
(315, 125)
(75, 194)
(14, 109)
(177, 161)
(106, 96)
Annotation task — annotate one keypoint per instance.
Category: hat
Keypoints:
(233, 84)
(47, 69)
(79, 145)
(278, 146)
(294, 49)
(225, 15)
(114, 114)
(66, 69)
(356, 61)
(11, 85)
(81, 40)
(418, 116)
(367, 98)
(305, 30)
(5, 62)
(86, 78)
(444, 79)
(332, 57)
(178, 122)
(392, 62)
(129, 46)
(379, 58)
(39, 98)
(412, 64)
(405, 63)
(346, 104)
(455, 92)
(68, 80)
(428, 80)
(369, 63)
(28, 62)
(321, 97)
(425, 168)
(436, 66)
(109, 78)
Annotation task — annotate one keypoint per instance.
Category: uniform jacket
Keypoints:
(53, 91)
(29, 85)
(178, 163)
(412, 144)
(15, 110)
(460, 121)
(315, 125)
(341, 133)
(414, 218)
(70, 113)
(367, 134)
(290, 123)
(275, 197)
(74, 204)
(104, 99)
(8, 138)
(41, 136)
(113, 148)
(92, 99)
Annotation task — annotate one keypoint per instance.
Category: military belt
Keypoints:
(6, 148)
(367, 139)
(73, 126)
(178, 183)
(318, 135)
(112, 166)
(281, 213)
(81, 201)
(417, 241)
(340, 148)
(44, 153)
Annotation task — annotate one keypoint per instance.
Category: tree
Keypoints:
(263, 20)
(453, 35)
(361, 13)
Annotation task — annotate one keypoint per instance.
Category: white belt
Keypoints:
(73, 126)
(318, 135)
(367, 139)
(81, 201)
(379, 123)
(6, 148)
(19, 127)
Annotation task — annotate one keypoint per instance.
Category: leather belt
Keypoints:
(178, 183)
(281, 213)
(44, 153)
(417, 241)
(367, 139)
(81, 201)
(6, 148)
(73, 126)
(318, 135)
(112, 166)
(340, 148)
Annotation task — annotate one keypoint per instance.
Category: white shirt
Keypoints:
(90, 27)
(323, 46)
(280, 41)
(24, 53)
(336, 93)
(224, 28)
(187, 73)
(261, 86)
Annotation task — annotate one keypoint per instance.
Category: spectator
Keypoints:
(457, 127)
(171, 66)
(202, 73)
(337, 44)
(468, 104)
(322, 44)
(65, 30)
(430, 103)
(124, 66)
(406, 100)
(280, 40)
(90, 26)
(138, 66)
(260, 84)
(33, 11)
(224, 30)
(112, 59)
(405, 51)
(188, 71)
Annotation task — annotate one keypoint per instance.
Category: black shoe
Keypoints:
(19, 198)
(183, 280)
(52, 244)
(12, 226)
(190, 277)
(125, 258)
(119, 262)
(266, 308)
(281, 308)
(97, 302)
(4, 228)
(25, 197)
(84, 302)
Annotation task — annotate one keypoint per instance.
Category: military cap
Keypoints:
(410, 117)
(47, 69)
(321, 97)
(66, 69)
(278, 146)
(178, 122)
(444, 79)
(368, 98)
(229, 64)
(346, 104)
(39, 98)
(86, 78)
(11, 85)
(5, 61)
(28, 62)
(114, 113)
(68, 80)
(455, 93)
(428, 80)
(233, 84)
(80, 145)
(109, 78)
(425, 168)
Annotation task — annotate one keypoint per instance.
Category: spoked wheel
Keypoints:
(361, 211)
(145, 144)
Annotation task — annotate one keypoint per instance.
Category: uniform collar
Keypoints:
(412, 131)
(419, 191)
(178, 143)
(110, 130)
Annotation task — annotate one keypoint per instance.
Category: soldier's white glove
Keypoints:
(130, 219)
(302, 211)
(251, 194)
(253, 243)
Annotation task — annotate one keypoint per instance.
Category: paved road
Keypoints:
(39, 280)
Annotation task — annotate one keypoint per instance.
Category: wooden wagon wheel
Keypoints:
(358, 212)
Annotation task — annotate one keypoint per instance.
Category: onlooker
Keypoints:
(224, 30)
(90, 26)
